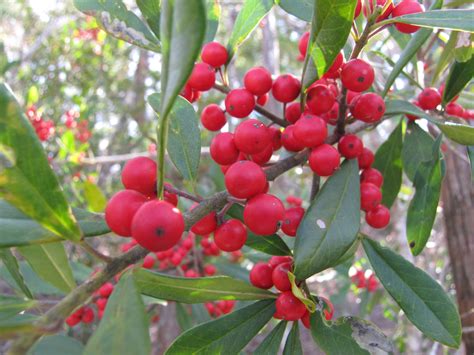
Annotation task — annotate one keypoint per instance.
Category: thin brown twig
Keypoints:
(182, 193)
(95, 253)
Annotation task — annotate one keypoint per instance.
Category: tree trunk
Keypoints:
(458, 208)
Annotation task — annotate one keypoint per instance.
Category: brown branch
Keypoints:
(182, 193)
(314, 187)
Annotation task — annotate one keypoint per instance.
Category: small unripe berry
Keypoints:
(429, 99)
(263, 214)
(230, 235)
(252, 136)
(258, 81)
(286, 88)
(120, 210)
(213, 117)
(373, 176)
(368, 107)
(378, 217)
(214, 54)
(350, 146)
(223, 150)
(324, 160)
(245, 179)
(139, 174)
(370, 196)
(239, 103)
(289, 307)
(320, 99)
(261, 275)
(406, 7)
(357, 75)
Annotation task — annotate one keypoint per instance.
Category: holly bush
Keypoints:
(177, 237)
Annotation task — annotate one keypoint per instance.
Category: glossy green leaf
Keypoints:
(293, 344)
(183, 26)
(459, 76)
(124, 327)
(459, 19)
(271, 344)
(462, 134)
(11, 264)
(228, 334)
(94, 197)
(422, 209)
(11, 305)
(20, 230)
(56, 345)
(388, 160)
(445, 57)
(348, 335)
(402, 72)
(330, 224)
(470, 153)
(330, 28)
(307, 301)
(415, 43)
(196, 290)
(150, 10)
(184, 137)
(234, 270)
(396, 107)
(250, 15)
(213, 15)
(26, 179)
(417, 148)
(114, 17)
(272, 244)
(50, 262)
(422, 299)
(303, 9)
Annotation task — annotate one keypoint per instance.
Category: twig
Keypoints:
(182, 193)
(88, 248)
(314, 187)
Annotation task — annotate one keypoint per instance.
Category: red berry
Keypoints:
(252, 136)
(366, 159)
(245, 179)
(262, 100)
(320, 99)
(373, 176)
(280, 277)
(277, 260)
(148, 262)
(230, 235)
(261, 275)
(191, 274)
(106, 289)
(328, 309)
(358, 9)
(101, 303)
(310, 130)
(303, 44)
(157, 225)
(139, 174)
(275, 134)
(372, 283)
(294, 201)
(170, 197)
(213, 117)
(350, 146)
(324, 160)
(289, 141)
(88, 316)
(454, 109)
(72, 320)
(286, 88)
(239, 103)
(120, 210)
(379, 217)
(429, 99)
(214, 54)
(263, 213)
(209, 269)
(289, 307)
(205, 225)
(351, 95)
(202, 78)
(335, 66)
(264, 156)
(223, 149)
(258, 81)
(306, 317)
(368, 107)
(406, 7)
(370, 196)
(291, 221)
(357, 75)
(293, 112)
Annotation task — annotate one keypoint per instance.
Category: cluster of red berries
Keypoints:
(430, 98)
(365, 279)
(274, 273)
(44, 128)
(219, 308)
(81, 128)
(86, 314)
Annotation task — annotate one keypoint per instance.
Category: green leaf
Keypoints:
(20, 230)
(271, 344)
(10, 305)
(124, 326)
(56, 345)
(11, 264)
(213, 14)
(303, 9)
(272, 244)
(463, 51)
(459, 76)
(445, 57)
(422, 299)
(150, 10)
(26, 179)
(21, 323)
(459, 19)
(462, 134)
(94, 197)
(228, 334)
(184, 319)
(470, 153)
(417, 148)
(348, 335)
(330, 28)
(388, 159)
(250, 15)
(308, 302)
(418, 39)
(422, 209)
(293, 344)
(196, 290)
(32, 96)
(183, 26)
(114, 17)
(330, 224)
(184, 136)
(50, 262)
